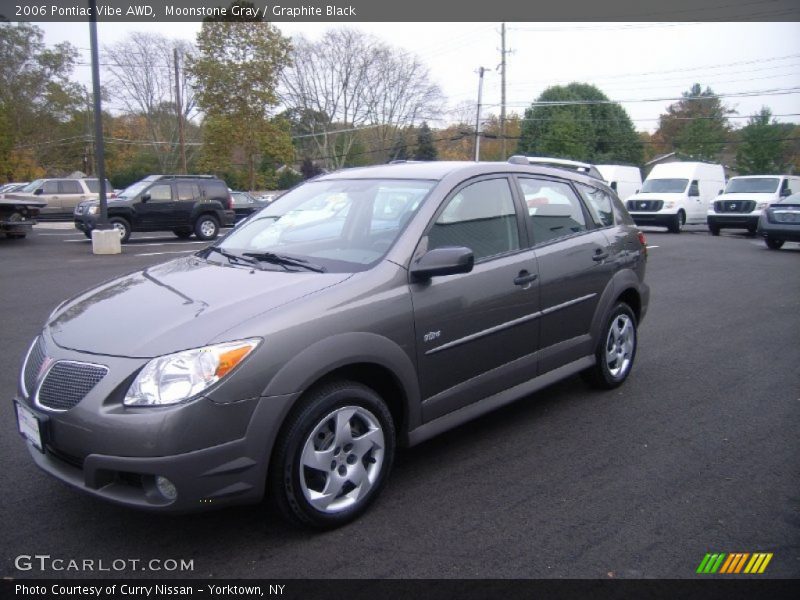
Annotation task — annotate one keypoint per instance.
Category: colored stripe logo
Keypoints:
(734, 563)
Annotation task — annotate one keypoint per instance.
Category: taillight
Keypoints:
(230, 202)
(643, 242)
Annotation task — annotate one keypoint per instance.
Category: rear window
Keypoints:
(215, 190)
(94, 185)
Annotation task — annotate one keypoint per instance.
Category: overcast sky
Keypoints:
(752, 64)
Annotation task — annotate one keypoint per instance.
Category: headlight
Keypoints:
(762, 205)
(176, 377)
(669, 204)
(93, 210)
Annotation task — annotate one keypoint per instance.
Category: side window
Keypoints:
(481, 217)
(50, 187)
(599, 203)
(554, 209)
(160, 193)
(69, 187)
(694, 188)
(188, 192)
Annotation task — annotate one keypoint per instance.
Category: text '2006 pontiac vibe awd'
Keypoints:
(363, 310)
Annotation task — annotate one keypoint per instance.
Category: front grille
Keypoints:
(734, 206)
(67, 383)
(73, 461)
(36, 357)
(645, 205)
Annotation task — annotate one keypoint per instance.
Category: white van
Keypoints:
(745, 197)
(623, 179)
(675, 194)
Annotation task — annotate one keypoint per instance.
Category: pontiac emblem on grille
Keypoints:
(45, 366)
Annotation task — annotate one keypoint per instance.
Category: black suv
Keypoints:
(364, 309)
(183, 204)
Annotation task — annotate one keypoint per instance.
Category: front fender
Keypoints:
(341, 350)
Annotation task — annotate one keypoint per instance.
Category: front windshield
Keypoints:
(33, 186)
(665, 186)
(753, 185)
(134, 189)
(341, 225)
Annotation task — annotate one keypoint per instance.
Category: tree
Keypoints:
(36, 97)
(425, 148)
(491, 142)
(762, 149)
(579, 122)
(141, 79)
(236, 71)
(697, 125)
(348, 81)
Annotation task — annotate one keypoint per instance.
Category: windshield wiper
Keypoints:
(285, 261)
(234, 258)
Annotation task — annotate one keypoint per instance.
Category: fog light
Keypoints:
(166, 487)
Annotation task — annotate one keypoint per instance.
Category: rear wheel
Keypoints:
(333, 456)
(616, 349)
(773, 244)
(206, 227)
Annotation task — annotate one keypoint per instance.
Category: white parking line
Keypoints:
(142, 245)
(653, 247)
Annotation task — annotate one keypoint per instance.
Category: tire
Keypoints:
(751, 231)
(714, 229)
(16, 235)
(616, 350)
(318, 451)
(677, 222)
(122, 226)
(88, 234)
(206, 227)
(183, 234)
(773, 244)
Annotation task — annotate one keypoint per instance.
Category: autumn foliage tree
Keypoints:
(236, 71)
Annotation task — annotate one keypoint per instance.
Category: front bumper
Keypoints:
(214, 453)
(779, 231)
(744, 221)
(654, 219)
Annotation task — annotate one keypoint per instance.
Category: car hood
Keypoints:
(747, 196)
(185, 303)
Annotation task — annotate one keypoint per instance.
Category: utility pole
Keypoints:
(481, 70)
(179, 110)
(102, 222)
(503, 89)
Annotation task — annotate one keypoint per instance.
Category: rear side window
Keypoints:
(70, 187)
(480, 217)
(215, 190)
(94, 185)
(188, 192)
(553, 208)
(599, 204)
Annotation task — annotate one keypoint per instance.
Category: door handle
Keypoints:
(524, 278)
(599, 255)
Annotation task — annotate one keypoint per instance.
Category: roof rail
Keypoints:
(161, 177)
(558, 163)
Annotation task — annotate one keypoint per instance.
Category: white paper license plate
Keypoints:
(29, 426)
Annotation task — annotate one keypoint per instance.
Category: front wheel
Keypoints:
(122, 227)
(183, 234)
(616, 349)
(714, 229)
(333, 456)
(773, 244)
(678, 221)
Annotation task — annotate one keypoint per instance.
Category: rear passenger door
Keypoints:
(575, 266)
(71, 192)
(188, 194)
(477, 333)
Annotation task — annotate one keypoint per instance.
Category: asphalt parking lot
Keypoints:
(698, 452)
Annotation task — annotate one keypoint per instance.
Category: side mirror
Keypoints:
(786, 192)
(145, 197)
(38, 191)
(443, 261)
